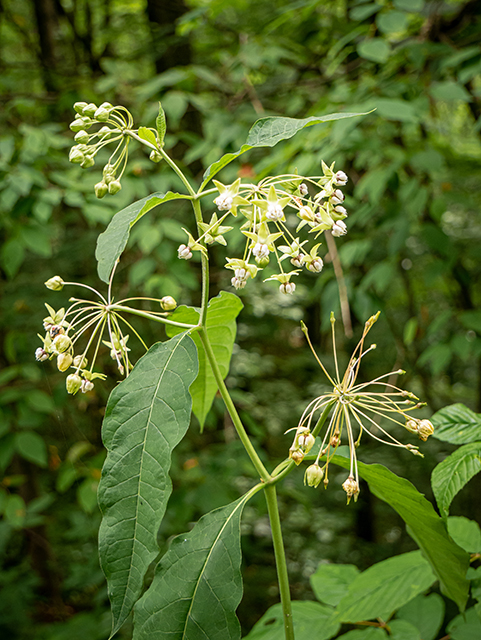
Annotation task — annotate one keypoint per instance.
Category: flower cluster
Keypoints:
(362, 405)
(275, 210)
(65, 328)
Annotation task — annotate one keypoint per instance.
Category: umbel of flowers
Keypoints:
(275, 210)
(85, 323)
(365, 407)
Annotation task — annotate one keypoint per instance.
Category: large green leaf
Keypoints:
(371, 633)
(457, 424)
(112, 241)
(385, 587)
(331, 581)
(198, 584)
(426, 613)
(447, 560)
(267, 132)
(311, 620)
(450, 476)
(221, 330)
(465, 533)
(146, 417)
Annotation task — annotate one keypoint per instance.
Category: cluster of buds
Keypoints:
(363, 405)
(64, 329)
(271, 208)
(114, 125)
(303, 443)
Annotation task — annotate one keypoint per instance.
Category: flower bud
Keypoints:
(298, 260)
(313, 476)
(287, 288)
(80, 123)
(79, 107)
(87, 385)
(87, 162)
(351, 487)
(316, 265)
(426, 429)
(296, 455)
(155, 156)
(64, 360)
(303, 189)
(168, 303)
(306, 213)
(61, 343)
(80, 362)
(340, 209)
(103, 112)
(306, 441)
(89, 110)
(101, 189)
(338, 229)
(114, 187)
(41, 355)
(184, 252)
(340, 178)
(76, 155)
(337, 197)
(55, 284)
(73, 383)
(263, 261)
(82, 137)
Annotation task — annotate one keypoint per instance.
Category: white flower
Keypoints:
(86, 385)
(288, 287)
(41, 354)
(225, 201)
(339, 229)
(260, 250)
(298, 260)
(340, 209)
(303, 189)
(337, 197)
(184, 252)
(340, 178)
(274, 211)
(316, 265)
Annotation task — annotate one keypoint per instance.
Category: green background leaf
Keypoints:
(311, 620)
(385, 587)
(426, 613)
(457, 424)
(331, 581)
(198, 584)
(447, 560)
(453, 473)
(221, 329)
(112, 241)
(146, 417)
(31, 446)
(465, 533)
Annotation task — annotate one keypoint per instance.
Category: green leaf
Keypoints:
(385, 587)
(465, 533)
(371, 633)
(426, 613)
(392, 21)
(32, 447)
(457, 424)
(15, 510)
(409, 5)
(465, 627)
(267, 132)
(449, 91)
(161, 125)
(331, 581)
(147, 415)
(450, 475)
(311, 620)
(447, 560)
(404, 630)
(374, 49)
(222, 312)
(112, 241)
(393, 109)
(147, 135)
(198, 584)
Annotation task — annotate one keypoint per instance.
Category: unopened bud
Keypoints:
(79, 107)
(61, 343)
(55, 284)
(296, 455)
(101, 189)
(80, 362)
(184, 252)
(64, 360)
(82, 137)
(168, 303)
(76, 155)
(103, 112)
(89, 109)
(41, 354)
(114, 187)
(303, 189)
(426, 429)
(287, 288)
(316, 265)
(313, 476)
(351, 487)
(306, 213)
(340, 178)
(155, 156)
(87, 162)
(73, 383)
(86, 385)
(338, 229)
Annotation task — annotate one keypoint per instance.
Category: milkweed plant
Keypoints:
(197, 584)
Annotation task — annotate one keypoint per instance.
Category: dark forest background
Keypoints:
(412, 251)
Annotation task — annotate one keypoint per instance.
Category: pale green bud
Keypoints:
(155, 156)
(105, 131)
(351, 487)
(101, 189)
(168, 303)
(87, 162)
(76, 155)
(80, 362)
(313, 476)
(80, 123)
(55, 284)
(61, 342)
(79, 107)
(103, 112)
(81, 136)
(89, 109)
(64, 360)
(73, 383)
(114, 187)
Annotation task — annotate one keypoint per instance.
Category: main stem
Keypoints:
(280, 556)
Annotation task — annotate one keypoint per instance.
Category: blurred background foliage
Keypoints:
(412, 250)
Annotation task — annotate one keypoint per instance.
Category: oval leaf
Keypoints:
(112, 241)
(267, 132)
(466, 533)
(221, 329)
(450, 476)
(457, 424)
(426, 613)
(146, 417)
(311, 620)
(198, 584)
(331, 581)
(447, 560)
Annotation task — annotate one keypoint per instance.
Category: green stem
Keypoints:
(205, 267)
(149, 316)
(252, 453)
(280, 556)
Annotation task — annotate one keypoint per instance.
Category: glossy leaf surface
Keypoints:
(221, 329)
(146, 417)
